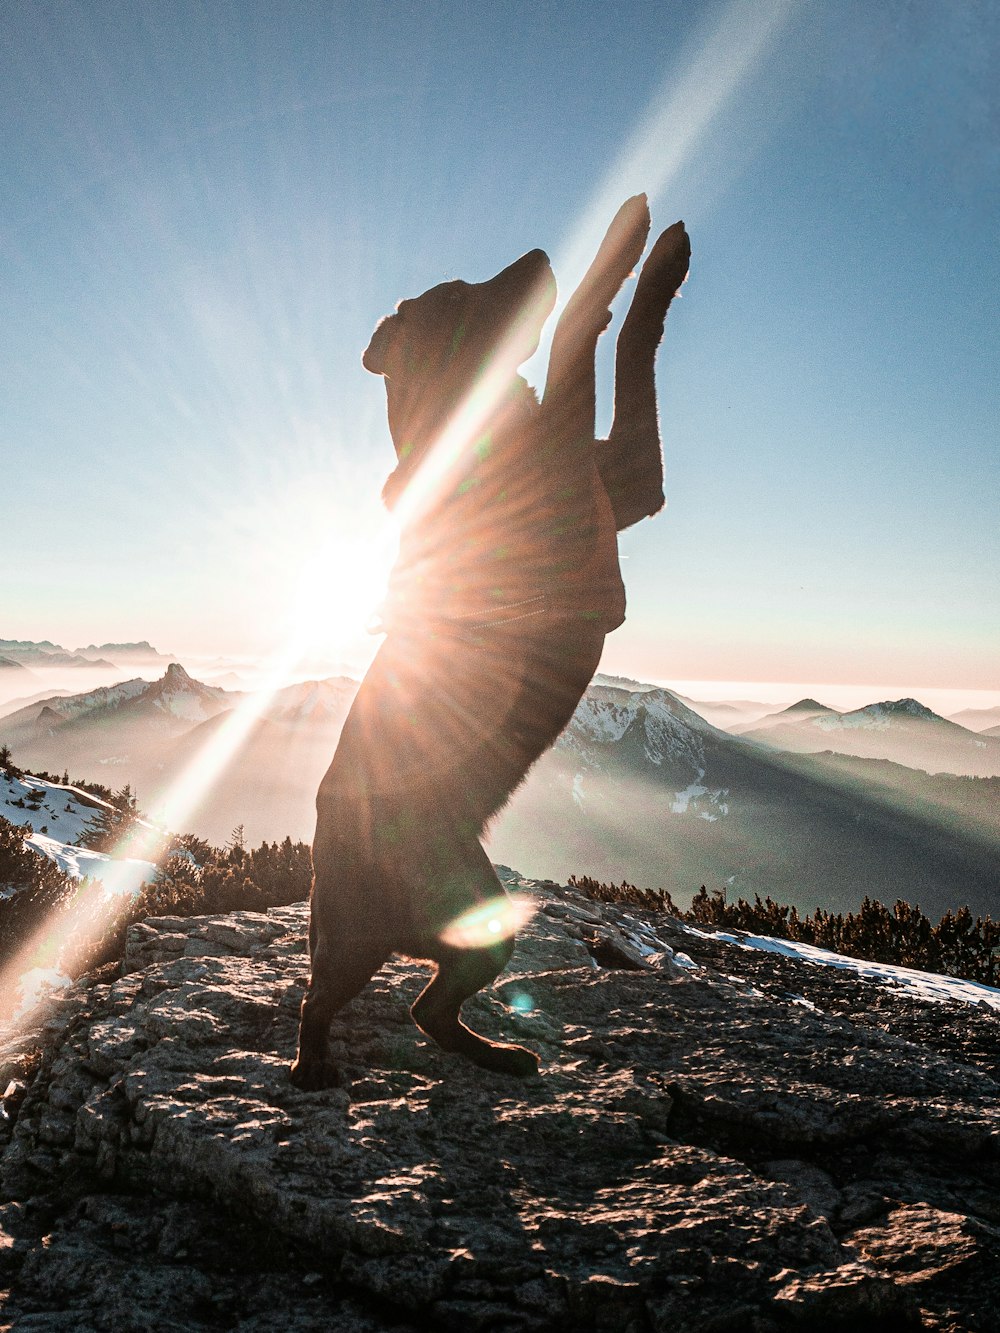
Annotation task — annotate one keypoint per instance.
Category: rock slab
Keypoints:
(699, 1155)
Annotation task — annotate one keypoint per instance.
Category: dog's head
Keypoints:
(437, 347)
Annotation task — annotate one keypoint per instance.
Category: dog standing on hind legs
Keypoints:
(506, 584)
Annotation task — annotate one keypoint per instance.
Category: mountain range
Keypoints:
(640, 786)
(902, 730)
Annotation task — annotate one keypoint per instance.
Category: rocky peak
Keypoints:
(49, 717)
(175, 676)
(725, 1140)
(891, 708)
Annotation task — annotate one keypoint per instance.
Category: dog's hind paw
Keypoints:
(517, 1061)
(314, 1075)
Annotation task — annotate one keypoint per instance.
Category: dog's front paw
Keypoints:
(619, 253)
(665, 269)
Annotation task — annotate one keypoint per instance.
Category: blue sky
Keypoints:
(208, 206)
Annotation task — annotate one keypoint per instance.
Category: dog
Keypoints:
(506, 584)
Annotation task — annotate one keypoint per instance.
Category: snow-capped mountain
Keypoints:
(640, 786)
(62, 707)
(902, 730)
(175, 701)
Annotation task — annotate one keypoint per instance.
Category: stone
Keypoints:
(702, 1152)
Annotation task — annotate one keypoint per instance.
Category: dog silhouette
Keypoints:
(506, 584)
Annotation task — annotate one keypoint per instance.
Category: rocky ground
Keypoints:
(750, 1143)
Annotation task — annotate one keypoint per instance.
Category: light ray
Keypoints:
(677, 120)
(73, 929)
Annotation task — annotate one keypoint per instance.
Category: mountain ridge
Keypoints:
(639, 785)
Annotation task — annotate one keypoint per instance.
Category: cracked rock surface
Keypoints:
(703, 1151)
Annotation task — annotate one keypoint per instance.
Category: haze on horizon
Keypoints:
(205, 218)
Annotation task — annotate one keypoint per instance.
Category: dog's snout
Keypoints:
(530, 269)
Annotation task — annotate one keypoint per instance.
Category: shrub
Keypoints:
(958, 946)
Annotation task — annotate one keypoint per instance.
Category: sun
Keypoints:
(308, 555)
(338, 586)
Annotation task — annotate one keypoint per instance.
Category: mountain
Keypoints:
(721, 1138)
(978, 719)
(116, 733)
(24, 701)
(9, 667)
(150, 734)
(46, 654)
(22, 723)
(639, 786)
(270, 787)
(726, 713)
(805, 710)
(902, 730)
(175, 701)
(124, 653)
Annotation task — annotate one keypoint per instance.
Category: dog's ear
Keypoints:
(378, 349)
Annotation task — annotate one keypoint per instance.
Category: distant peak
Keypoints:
(807, 706)
(899, 708)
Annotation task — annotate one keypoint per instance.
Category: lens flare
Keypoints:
(489, 922)
(520, 1001)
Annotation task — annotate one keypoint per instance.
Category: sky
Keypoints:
(207, 208)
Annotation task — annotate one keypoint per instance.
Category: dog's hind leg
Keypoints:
(460, 974)
(340, 970)
(462, 971)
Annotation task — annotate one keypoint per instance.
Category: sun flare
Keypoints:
(338, 589)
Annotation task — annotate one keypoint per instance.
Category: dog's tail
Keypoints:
(631, 460)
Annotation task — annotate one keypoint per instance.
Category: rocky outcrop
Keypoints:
(717, 1143)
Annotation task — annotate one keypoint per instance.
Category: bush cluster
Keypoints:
(960, 945)
(195, 879)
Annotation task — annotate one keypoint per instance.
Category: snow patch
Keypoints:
(690, 793)
(921, 985)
